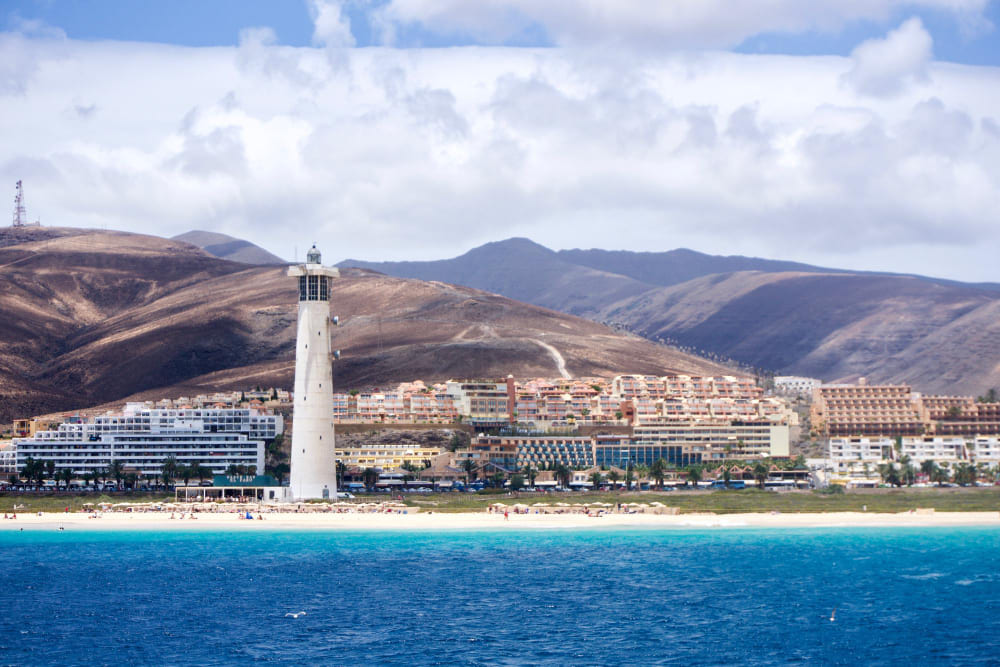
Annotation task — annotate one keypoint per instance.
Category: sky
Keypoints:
(851, 133)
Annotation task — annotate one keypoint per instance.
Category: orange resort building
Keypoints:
(863, 410)
(545, 404)
(141, 439)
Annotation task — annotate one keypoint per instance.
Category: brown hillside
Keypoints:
(100, 316)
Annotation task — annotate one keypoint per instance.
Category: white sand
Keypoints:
(485, 521)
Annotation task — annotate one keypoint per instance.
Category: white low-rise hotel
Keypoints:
(986, 450)
(861, 449)
(918, 448)
(934, 448)
(141, 439)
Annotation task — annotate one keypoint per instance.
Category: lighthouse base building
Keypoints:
(313, 466)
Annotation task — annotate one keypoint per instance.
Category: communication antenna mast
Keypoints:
(20, 214)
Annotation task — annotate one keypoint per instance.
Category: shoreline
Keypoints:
(474, 521)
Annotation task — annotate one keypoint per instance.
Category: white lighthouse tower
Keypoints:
(314, 469)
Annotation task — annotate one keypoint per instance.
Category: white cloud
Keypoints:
(886, 66)
(668, 24)
(424, 153)
(332, 28)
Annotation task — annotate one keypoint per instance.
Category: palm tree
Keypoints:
(928, 467)
(516, 482)
(497, 479)
(168, 470)
(641, 470)
(280, 470)
(694, 475)
(66, 475)
(469, 467)
(940, 475)
(628, 475)
(184, 472)
(117, 471)
(28, 469)
(200, 471)
(760, 472)
(370, 478)
(50, 469)
(562, 473)
(531, 472)
(658, 471)
(341, 469)
(727, 475)
(907, 472)
(613, 477)
(889, 474)
(965, 474)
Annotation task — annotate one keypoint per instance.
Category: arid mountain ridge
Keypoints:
(937, 335)
(97, 316)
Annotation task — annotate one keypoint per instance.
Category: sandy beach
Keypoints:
(125, 521)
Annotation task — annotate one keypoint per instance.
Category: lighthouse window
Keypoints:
(324, 287)
(302, 288)
(313, 288)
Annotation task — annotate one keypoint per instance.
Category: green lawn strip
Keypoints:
(730, 502)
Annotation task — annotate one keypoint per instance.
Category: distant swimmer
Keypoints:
(295, 615)
(833, 615)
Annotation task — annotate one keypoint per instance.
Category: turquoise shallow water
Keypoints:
(597, 597)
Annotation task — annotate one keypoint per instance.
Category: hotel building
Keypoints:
(141, 439)
(387, 457)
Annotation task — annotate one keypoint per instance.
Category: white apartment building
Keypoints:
(860, 449)
(142, 438)
(934, 448)
(795, 385)
(986, 450)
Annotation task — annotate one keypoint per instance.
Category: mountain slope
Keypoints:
(98, 316)
(228, 247)
(939, 335)
(677, 266)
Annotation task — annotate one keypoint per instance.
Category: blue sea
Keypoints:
(752, 596)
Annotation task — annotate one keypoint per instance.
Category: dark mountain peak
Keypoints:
(515, 244)
(228, 247)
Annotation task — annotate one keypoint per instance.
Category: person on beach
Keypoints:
(506, 515)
